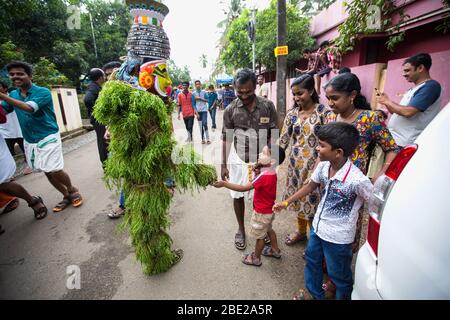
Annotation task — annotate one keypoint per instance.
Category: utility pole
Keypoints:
(251, 28)
(93, 36)
(281, 62)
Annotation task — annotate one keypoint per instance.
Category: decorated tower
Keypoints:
(148, 48)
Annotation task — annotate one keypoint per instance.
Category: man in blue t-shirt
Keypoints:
(43, 148)
(212, 105)
(228, 96)
(200, 103)
(419, 105)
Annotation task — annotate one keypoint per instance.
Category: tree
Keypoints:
(233, 11)
(38, 29)
(203, 60)
(45, 74)
(237, 54)
(177, 74)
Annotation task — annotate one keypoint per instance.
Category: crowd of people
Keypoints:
(329, 147)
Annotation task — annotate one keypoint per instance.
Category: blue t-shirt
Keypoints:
(228, 97)
(212, 96)
(40, 123)
(426, 95)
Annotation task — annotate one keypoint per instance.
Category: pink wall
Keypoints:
(396, 85)
(417, 8)
(366, 75)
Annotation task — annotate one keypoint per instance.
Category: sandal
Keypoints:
(268, 252)
(302, 294)
(179, 253)
(11, 206)
(75, 199)
(115, 214)
(294, 237)
(62, 205)
(239, 241)
(41, 212)
(251, 260)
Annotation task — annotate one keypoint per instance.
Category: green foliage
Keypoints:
(45, 74)
(312, 7)
(39, 29)
(444, 26)
(298, 37)
(141, 159)
(177, 74)
(356, 23)
(9, 52)
(238, 52)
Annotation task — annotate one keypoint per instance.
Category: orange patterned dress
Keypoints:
(301, 135)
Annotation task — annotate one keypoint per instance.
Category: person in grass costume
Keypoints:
(137, 111)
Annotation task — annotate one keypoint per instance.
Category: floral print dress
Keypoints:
(301, 135)
(371, 129)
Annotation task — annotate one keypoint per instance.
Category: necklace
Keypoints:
(349, 117)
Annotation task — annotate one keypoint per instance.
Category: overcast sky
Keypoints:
(192, 30)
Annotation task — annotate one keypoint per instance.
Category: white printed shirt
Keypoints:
(343, 196)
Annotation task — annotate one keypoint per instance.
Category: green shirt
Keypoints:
(41, 122)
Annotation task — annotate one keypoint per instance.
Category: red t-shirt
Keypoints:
(185, 101)
(265, 191)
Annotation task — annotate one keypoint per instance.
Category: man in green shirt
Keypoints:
(43, 148)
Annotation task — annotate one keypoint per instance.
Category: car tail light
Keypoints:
(382, 189)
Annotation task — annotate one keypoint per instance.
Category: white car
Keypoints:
(407, 252)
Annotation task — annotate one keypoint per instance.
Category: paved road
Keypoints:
(34, 254)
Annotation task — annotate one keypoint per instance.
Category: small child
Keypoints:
(265, 185)
(334, 226)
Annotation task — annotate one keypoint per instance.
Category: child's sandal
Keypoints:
(251, 260)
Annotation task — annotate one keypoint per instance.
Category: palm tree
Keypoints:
(232, 12)
(203, 60)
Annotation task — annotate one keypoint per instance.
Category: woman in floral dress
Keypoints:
(348, 105)
(299, 130)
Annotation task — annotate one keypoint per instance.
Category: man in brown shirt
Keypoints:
(250, 123)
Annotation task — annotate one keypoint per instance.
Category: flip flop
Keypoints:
(40, 213)
(239, 241)
(75, 199)
(179, 253)
(302, 294)
(290, 240)
(115, 214)
(62, 205)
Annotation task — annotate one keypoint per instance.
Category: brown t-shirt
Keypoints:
(247, 129)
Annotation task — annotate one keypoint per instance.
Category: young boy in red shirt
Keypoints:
(265, 185)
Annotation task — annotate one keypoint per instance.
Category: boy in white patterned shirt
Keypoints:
(334, 226)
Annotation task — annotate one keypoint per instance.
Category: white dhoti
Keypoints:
(46, 155)
(240, 173)
(7, 163)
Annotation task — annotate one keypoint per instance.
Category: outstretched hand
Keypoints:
(219, 184)
(277, 207)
